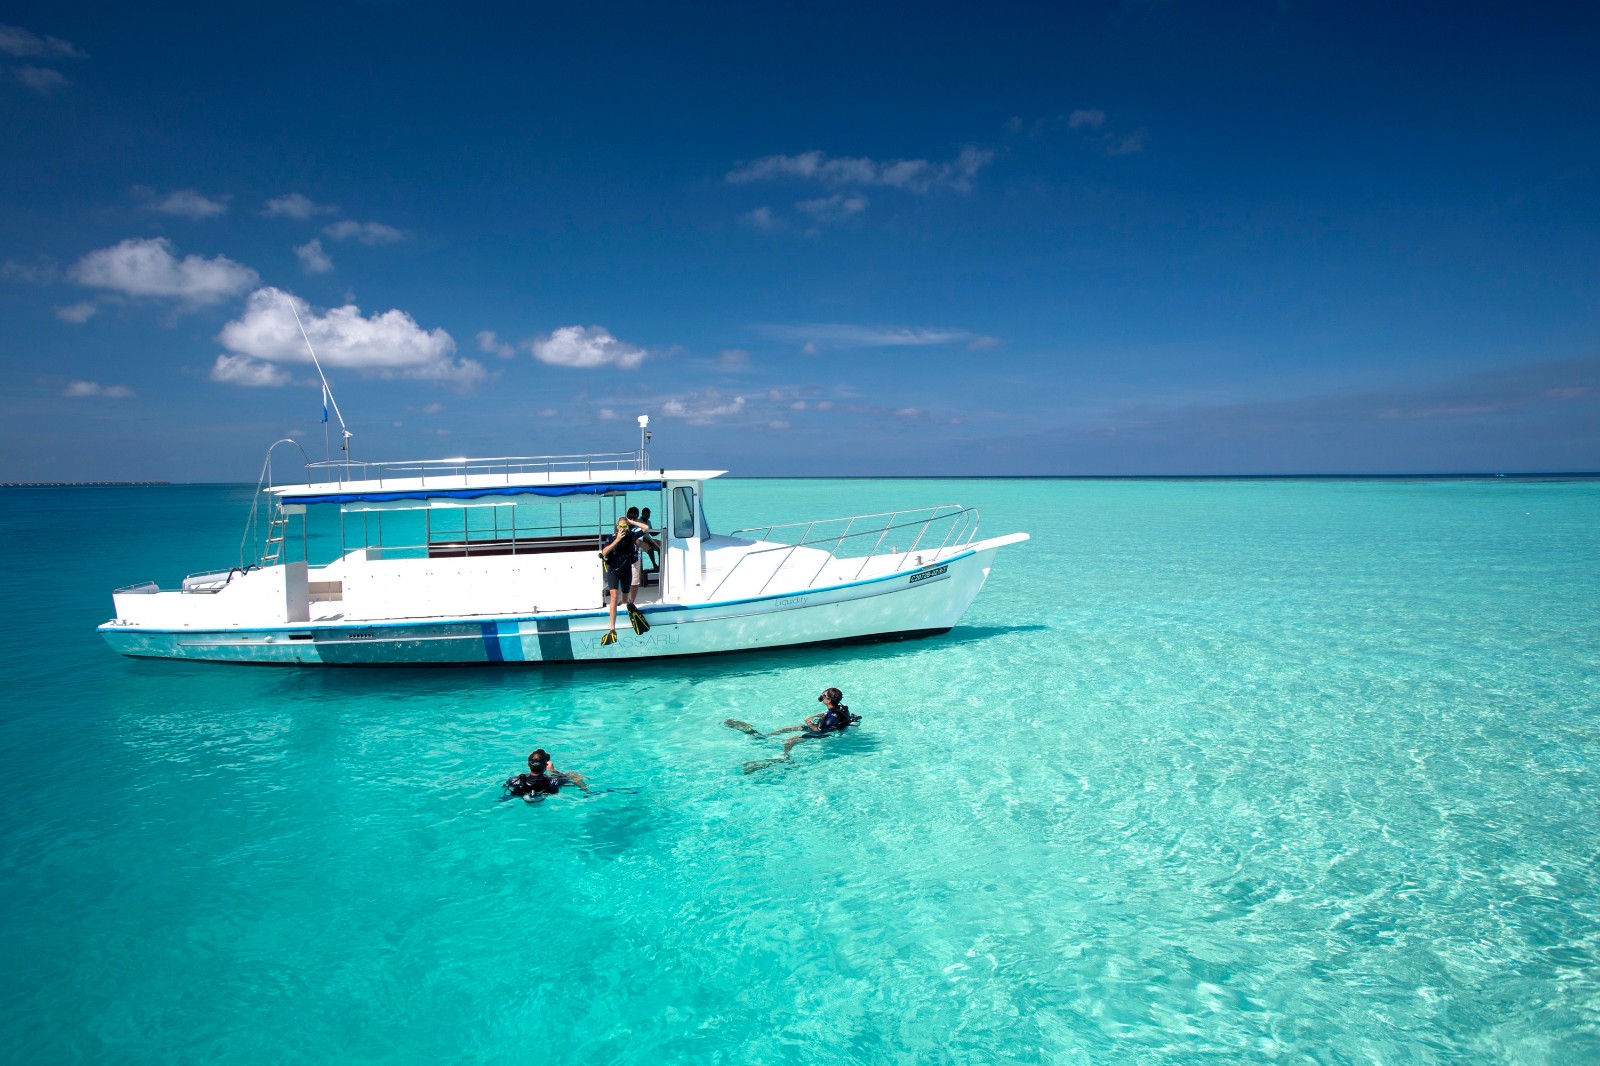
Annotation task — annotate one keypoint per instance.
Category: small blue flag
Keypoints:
(324, 403)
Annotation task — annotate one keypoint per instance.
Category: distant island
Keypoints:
(71, 484)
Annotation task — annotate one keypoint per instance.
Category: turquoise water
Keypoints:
(1263, 771)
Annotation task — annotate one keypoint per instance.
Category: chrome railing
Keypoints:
(342, 471)
(959, 524)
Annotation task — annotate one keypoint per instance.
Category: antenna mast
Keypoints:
(327, 393)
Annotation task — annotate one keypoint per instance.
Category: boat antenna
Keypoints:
(644, 443)
(327, 395)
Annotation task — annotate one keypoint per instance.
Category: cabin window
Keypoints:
(683, 512)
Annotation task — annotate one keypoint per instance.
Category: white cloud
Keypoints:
(77, 313)
(980, 343)
(94, 388)
(24, 44)
(313, 260)
(586, 348)
(912, 175)
(185, 203)
(762, 219)
(147, 267)
(243, 370)
(489, 341)
(42, 271)
(815, 337)
(388, 344)
(607, 414)
(1133, 142)
(834, 208)
(733, 357)
(365, 232)
(41, 79)
(547, 412)
(1091, 123)
(703, 407)
(295, 205)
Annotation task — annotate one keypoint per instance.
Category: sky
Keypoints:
(1116, 238)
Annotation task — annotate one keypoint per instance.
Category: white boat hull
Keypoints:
(911, 602)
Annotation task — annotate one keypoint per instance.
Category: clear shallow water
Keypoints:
(1212, 771)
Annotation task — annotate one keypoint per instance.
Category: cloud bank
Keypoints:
(815, 337)
(184, 203)
(585, 348)
(148, 267)
(25, 44)
(366, 232)
(313, 260)
(911, 175)
(296, 206)
(78, 389)
(390, 344)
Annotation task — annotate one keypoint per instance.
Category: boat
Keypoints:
(495, 561)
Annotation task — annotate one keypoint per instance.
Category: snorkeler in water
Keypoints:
(542, 779)
(834, 717)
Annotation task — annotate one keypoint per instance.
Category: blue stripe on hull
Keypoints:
(510, 638)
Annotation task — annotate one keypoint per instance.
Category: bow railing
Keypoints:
(928, 533)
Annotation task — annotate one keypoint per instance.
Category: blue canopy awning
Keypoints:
(598, 488)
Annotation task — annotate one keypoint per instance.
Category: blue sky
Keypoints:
(1107, 238)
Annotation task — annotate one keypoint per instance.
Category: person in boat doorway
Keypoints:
(617, 561)
(542, 779)
(650, 545)
(834, 717)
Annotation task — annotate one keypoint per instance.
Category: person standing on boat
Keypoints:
(649, 544)
(617, 560)
(641, 544)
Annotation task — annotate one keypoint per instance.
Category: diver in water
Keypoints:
(834, 717)
(542, 779)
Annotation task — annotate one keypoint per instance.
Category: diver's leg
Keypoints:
(791, 742)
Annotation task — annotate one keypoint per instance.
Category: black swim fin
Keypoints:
(636, 616)
(761, 764)
(609, 638)
(743, 727)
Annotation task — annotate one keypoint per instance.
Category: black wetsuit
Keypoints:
(836, 720)
(619, 563)
(535, 784)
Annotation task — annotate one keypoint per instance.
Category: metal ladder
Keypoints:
(276, 529)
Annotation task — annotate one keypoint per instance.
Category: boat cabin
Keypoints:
(477, 537)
